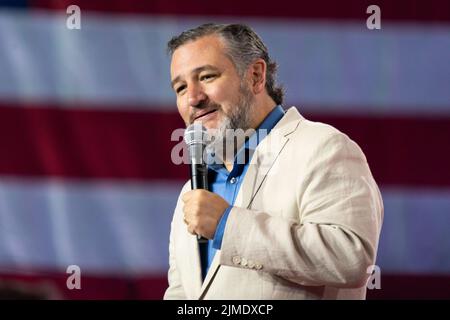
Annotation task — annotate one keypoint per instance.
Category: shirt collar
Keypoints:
(264, 128)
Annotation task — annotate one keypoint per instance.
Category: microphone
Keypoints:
(196, 138)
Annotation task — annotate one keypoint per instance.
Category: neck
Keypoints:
(264, 107)
(229, 165)
(261, 111)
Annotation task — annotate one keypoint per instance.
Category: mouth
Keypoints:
(205, 115)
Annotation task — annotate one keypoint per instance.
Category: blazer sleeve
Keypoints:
(335, 238)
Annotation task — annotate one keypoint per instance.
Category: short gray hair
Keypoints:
(243, 45)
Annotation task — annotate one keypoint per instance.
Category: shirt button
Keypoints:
(236, 260)
(251, 264)
(244, 262)
(258, 266)
(233, 180)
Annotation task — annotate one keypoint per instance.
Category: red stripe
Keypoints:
(401, 150)
(46, 141)
(412, 286)
(52, 285)
(393, 286)
(404, 10)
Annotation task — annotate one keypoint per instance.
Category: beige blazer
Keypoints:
(305, 223)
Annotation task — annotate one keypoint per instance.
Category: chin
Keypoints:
(212, 125)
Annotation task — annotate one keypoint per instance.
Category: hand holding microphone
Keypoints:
(202, 209)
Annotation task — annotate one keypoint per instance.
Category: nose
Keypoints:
(195, 96)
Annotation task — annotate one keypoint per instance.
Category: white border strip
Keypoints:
(117, 227)
(118, 61)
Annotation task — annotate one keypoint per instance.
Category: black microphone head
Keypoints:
(196, 137)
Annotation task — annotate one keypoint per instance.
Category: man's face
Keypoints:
(208, 86)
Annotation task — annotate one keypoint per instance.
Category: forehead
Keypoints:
(208, 50)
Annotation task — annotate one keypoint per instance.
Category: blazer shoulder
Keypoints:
(321, 131)
(306, 128)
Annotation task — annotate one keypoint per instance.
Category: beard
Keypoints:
(234, 129)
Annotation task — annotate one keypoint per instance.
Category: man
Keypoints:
(297, 217)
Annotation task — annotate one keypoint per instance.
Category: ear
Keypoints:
(257, 75)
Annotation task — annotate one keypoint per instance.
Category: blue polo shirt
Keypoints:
(226, 184)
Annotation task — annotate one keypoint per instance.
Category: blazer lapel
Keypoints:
(258, 171)
(265, 156)
(210, 275)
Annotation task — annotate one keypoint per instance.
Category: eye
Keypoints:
(207, 77)
(180, 88)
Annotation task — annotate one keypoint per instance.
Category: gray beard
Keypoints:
(233, 130)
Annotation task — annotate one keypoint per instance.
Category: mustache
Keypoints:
(201, 109)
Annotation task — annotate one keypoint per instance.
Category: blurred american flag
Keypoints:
(86, 118)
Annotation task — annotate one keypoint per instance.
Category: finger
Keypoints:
(197, 194)
(186, 216)
(187, 211)
(187, 195)
(191, 230)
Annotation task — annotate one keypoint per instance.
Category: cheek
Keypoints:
(218, 93)
(184, 113)
(223, 95)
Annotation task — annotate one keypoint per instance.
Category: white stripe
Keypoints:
(415, 236)
(111, 227)
(119, 227)
(120, 60)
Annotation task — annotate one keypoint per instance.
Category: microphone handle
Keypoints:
(199, 180)
(199, 176)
